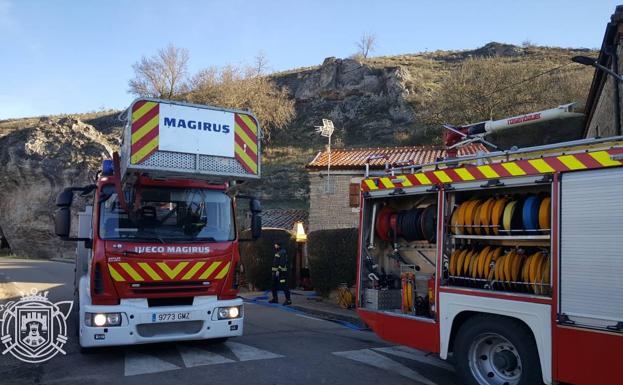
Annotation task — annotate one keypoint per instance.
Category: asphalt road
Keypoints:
(278, 347)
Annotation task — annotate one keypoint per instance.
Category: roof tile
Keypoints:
(283, 218)
(354, 158)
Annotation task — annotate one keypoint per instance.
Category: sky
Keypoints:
(61, 56)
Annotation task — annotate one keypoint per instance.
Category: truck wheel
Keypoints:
(77, 316)
(493, 350)
(78, 320)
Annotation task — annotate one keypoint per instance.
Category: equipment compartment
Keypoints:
(499, 239)
(399, 253)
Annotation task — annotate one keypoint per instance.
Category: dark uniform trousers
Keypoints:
(280, 274)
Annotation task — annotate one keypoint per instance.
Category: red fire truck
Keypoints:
(157, 257)
(508, 262)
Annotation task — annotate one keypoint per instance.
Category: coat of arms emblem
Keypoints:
(34, 329)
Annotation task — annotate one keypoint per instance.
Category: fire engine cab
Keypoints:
(507, 262)
(157, 257)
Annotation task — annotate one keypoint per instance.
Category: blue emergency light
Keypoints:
(107, 167)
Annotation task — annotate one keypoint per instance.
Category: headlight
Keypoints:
(223, 313)
(228, 312)
(113, 319)
(234, 312)
(102, 319)
(99, 320)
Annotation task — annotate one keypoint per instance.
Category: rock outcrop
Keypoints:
(369, 103)
(36, 163)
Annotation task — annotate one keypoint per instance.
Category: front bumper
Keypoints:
(138, 324)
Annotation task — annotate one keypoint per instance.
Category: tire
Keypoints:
(77, 319)
(77, 316)
(492, 350)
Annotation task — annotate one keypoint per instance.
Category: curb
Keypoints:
(64, 260)
(330, 316)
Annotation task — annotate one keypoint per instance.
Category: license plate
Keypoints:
(171, 317)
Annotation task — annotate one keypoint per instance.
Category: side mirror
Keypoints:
(62, 222)
(256, 225)
(65, 198)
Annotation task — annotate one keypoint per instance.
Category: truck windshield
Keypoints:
(168, 214)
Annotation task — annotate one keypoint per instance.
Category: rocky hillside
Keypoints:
(36, 163)
(374, 102)
(377, 100)
(366, 102)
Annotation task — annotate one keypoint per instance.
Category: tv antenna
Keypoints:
(326, 130)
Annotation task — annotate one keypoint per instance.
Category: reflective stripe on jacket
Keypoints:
(280, 261)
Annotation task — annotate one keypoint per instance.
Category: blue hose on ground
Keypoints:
(259, 300)
(267, 292)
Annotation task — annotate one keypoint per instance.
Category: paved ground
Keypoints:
(279, 347)
(310, 303)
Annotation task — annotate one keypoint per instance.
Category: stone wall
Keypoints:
(331, 210)
(603, 120)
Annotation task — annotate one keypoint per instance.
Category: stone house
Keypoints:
(334, 194)
(285, 220)
(605, 98)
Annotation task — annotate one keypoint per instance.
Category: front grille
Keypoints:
(174, 284)
(169, 328)
(175, 301)
(170, 287)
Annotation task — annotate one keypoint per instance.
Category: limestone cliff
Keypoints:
(36, 163)
(369, 103)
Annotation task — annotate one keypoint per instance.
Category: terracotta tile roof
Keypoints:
(283, 218)
(355, 158)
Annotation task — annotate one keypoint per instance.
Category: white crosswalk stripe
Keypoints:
(372, 358)
(248, 353)
(141, 363)
(416, 355)
(198, 357)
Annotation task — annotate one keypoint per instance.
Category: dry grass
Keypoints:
(9, 125)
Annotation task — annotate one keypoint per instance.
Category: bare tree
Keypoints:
(261, 63)
(165, 75)
(366, 44)
(244, 88)
(162, 75)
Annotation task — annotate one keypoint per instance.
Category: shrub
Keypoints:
(257, 256)
(332, 258)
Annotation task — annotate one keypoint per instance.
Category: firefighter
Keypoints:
(280, 274)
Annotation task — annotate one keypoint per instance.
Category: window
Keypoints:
(353, 194)
(168, 214)
(329, 186)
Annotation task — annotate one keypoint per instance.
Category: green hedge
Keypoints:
(257, 256)
(332, 258)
